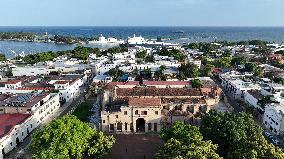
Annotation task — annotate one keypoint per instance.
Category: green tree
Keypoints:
(250, 67)
(259, 71)
(185, 141)
(189, 70)
(93, 88)
(141, 54)
(225, 62)
(81, 52)
(239, 60)
(162, 68)
(226, 53)
(238, 135)
(115, 73)
(149, 58)
(196, 83)
(101, 145)
(2, 57)
(206, 70)
(177, 54)
(68, 137)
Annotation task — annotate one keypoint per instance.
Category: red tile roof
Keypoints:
(111, 85)
(217, 70)
(185, 83)
(144, 102)
(35, 88)
(9, 121)
(124, 83)
(61, 82)
(73, 81)
(11, 82)
(158, 92)
(256, 94)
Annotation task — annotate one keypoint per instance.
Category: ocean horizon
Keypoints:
(179, 34)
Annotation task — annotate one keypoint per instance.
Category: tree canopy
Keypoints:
(17, 35)
(115, 73)
(225, 62)
(238, 136)
(2, 57)
(80, 52)
(239, 60)
(149, 58)
(189, 70)
(177, 54)
(68, 137)
(185, 141)
(141, 54)
(93, 88)
(196, 83)
(206, 70)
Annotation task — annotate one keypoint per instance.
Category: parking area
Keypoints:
(135, 146)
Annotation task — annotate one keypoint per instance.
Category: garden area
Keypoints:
(83, 111)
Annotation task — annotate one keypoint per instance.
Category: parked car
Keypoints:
(276, 142)
(268, 134)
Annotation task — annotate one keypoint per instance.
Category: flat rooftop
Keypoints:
(21, 100)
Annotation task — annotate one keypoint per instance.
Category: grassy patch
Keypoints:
(83, 111)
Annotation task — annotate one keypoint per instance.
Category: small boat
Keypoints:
(178, 32)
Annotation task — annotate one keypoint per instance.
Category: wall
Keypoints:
(131, 117)
(272, 120)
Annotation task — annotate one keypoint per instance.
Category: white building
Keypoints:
(136, 40)
(14, 128)
(68, 86)
(252, 97)
(20, 114)
(237, 84)
(273, 118)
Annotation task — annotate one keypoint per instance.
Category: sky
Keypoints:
(141, 13)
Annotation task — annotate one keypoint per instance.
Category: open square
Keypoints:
(135, 146)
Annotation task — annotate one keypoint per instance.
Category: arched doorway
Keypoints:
(140, 125)
(17, 141)
(119, 126)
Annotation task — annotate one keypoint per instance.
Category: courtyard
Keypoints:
(135, 146)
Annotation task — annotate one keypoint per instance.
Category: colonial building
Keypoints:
(135, 115)
(142, 108)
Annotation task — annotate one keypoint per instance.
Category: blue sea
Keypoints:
(190, 34)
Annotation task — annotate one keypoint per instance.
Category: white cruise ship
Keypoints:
(103, 40)
(140, 41)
